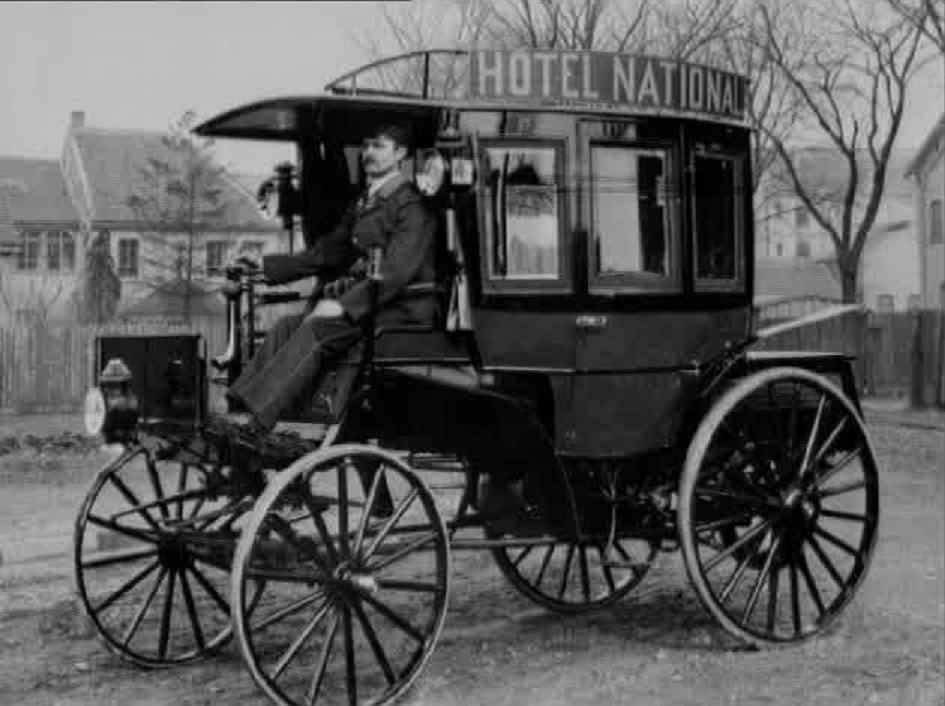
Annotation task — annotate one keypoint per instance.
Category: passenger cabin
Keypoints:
(602, 210)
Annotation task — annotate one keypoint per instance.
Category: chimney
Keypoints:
(77, 118)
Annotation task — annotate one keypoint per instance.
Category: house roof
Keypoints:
(784, 278)
(35, 191)
(167, 300)
(928, 146)
(112, 161)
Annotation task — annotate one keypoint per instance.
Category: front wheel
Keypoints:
(779, 506)
(356, 580)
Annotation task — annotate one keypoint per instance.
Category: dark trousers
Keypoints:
(292, 354)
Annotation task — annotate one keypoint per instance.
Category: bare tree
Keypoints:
(927, 16)
(181, 194)
(849, 70)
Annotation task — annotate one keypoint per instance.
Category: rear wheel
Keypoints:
(356, 580)
(152, 550)
(779, 506)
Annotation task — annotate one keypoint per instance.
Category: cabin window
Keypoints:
(631, 218)
(523, 212)
(718, 221)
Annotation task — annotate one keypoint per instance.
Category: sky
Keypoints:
(142, 65)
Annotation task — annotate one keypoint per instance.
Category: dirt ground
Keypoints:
(657, 647)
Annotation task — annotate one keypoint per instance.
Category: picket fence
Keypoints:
(45, 368)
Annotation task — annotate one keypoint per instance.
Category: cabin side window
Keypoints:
(523, 213)
(632, 244)
(718, 222)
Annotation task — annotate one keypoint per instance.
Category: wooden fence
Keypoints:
(50, 368)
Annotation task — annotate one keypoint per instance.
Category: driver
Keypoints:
(391, 213)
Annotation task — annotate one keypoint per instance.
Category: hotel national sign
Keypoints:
(621, 81)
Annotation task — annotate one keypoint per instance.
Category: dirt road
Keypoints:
(657, 647)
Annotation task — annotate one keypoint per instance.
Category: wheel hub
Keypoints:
(799, 507)
(173, 554)
(359, 581)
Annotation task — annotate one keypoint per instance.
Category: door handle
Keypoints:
(591, 322)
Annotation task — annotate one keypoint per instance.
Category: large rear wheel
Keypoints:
(779, 506)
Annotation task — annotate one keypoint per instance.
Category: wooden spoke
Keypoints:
(139, 616)
(773, 599)
(736, 576)
(605, 569)
(323, 658)
(567, 570)
(736, 545)
(762, 577)
(368, 629)
(368, 508)
(132, 532)
(343, 540)
(403, 551)
(210, 590)
(191, 610)
(585, 579)
(293, 649)
(323, 532)
(413, 586)
(716, 525)
(133, 501)
(795, 598)
(166, 615)
(841, 489)
(181, 485)
(281, 575)
(825, 561)
(126, 586)
(394, 518)
(828, 443)
(157, 487)
(836, 468)
(792, 422)
(811, 584)
(812, 437)
(836, 541)
(119, 559)
(544, 564)
(288, 610)
(837, 514)
(524, 553)
(754, 500)
(351, 675)
(396, 619)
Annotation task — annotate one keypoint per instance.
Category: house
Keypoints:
(50, 211)
(927, 172)
(889, 266)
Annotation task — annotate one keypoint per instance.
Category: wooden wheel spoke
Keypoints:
(389, 525)
(404, 551)
(412, 586)
(760, 581)
(368, 629)
(126, 586)
(293, 649)
(191, 610)
(284, 612)
(165, 633)
(836, 541)
(521, 556)
(841, 489)
(795, 598)
(119, 559)
(742, 541)
(828, 443)
(544, 565)
(395, 618)
(181, 485)
(368, 508)
(351, 676)
(210, 590)
(323, 658)
(826, 561)
(265, 573)
(839, 515)
(812, 437)
(811, 583)
(567, 570)
(132, 500)
(139, 616)
(724, 522)
(605, 569)
(585, 578)
(344, 544)
(736, 576)
(773, 599)
(133, 532)
(732, 496)
(157, 487)
(836, 468)
(323, 532)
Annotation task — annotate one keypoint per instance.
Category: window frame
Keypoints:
(737, 284)
(491, 284)
(30, 238)
(219, 270)
(637, 282)
(119, 264)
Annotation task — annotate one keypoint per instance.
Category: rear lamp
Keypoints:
(111, 408)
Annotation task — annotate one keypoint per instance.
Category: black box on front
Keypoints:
(166, 372)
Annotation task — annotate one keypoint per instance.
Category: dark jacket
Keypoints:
(398, 218)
